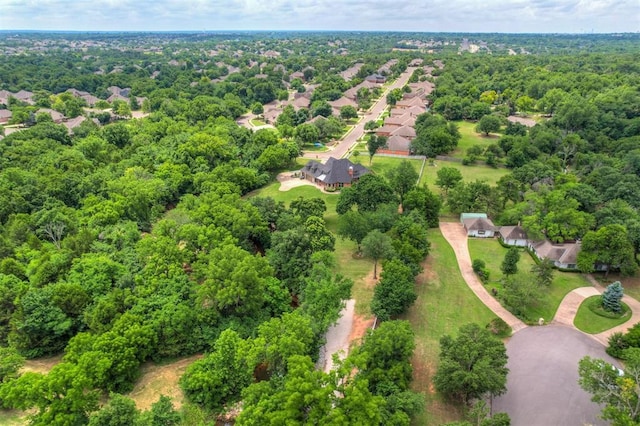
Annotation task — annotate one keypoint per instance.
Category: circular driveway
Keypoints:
(542, 385)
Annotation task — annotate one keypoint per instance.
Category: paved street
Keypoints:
(374, 112)
(542, 383)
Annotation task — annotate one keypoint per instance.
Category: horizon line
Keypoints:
(182, 31)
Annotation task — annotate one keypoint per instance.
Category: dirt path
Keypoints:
(41, 365)
(454, 233)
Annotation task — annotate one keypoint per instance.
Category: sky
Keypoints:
(505, 16)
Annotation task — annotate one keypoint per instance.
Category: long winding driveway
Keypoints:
(455, 234)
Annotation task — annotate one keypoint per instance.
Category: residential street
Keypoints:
(373, 113)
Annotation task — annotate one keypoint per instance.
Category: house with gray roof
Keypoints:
(334, 174)
(478, 225)
(563, 255)
(513, 236)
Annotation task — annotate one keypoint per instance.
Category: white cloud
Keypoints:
(409, 15)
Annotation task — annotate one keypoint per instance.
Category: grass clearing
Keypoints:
(160, 379)
(492, 253)
(469, 173)
(588, 321)
(257, 122)
(444, 303)
(470, 138)
(13, 417)
(381, 165)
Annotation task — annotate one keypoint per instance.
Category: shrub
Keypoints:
(499, 327)
(617, 344)
(478, 265)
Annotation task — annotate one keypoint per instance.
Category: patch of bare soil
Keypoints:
(157, 380)
(369, 281)
(359, 328)
(41, 365)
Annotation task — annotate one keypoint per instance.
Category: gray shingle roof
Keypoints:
(335, 170)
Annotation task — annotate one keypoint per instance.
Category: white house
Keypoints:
(478, 225)
(513, 236)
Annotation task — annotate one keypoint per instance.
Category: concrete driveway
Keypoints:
(542, 383)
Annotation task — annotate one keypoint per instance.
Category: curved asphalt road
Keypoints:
(542, 382)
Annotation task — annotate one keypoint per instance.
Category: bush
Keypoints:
(499, 327)
(596, 306)
(617, 344)
(479, 267)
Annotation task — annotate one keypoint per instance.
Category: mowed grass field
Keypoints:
(382, 165)
(470, 138)
(490, 250)
(469, 173)
(444, 303)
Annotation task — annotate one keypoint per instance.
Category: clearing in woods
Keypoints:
(160, 379)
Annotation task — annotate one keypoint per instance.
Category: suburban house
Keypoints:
(337, 105)
(334, 174)
(376, 78)
(56, 116)
(404, 131)
(478, 225)
(400, 120)
(563, 255)
(5, 116)
(410, 103)
(396, 145)
(513, 236)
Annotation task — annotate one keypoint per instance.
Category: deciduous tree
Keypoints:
(402, 178)
(395, 291)
(376, 246)
(471, 365)
(447, 178)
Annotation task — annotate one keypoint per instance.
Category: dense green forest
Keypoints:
(129, 240)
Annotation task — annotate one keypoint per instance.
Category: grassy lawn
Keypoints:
(314, 148)
(444, 303)
(469, 173)
(381, 165)
(592, 323)
(257, 122)
(12, 417)
(631, 285)
(471, 138)
(493, 253)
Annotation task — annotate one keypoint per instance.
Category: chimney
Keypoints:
(351, 171)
